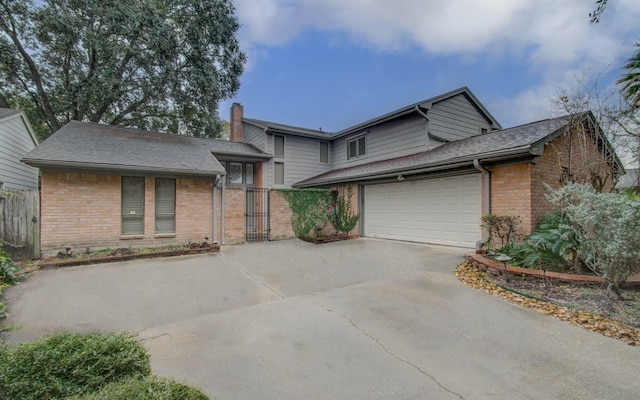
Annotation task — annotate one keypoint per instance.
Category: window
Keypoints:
(235, 172)
(278, 146)
(278, 173)
(356, 148)
(239, 173)
(248, 174)
(165, 205)
(324, 152)
(132, 205)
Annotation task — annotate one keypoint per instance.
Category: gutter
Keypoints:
(487, 194)
(214, 193)
(119, 168)
(426, 117)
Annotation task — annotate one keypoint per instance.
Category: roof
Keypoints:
(114, 148)
(274, 127)
(422, 104)
(7, 112)
(523, 140)
(629, 180)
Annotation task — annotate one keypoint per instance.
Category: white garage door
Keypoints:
(440, 211)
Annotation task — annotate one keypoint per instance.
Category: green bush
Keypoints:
(8, 270)
(606, 226)
(143, 389)
(310, 208)
(69, 364)
(553, 246)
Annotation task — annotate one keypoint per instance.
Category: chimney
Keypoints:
(235, 124)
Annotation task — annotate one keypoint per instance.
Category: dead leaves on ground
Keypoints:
(471, 276)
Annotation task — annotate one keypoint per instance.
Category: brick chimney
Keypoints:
(235, 123)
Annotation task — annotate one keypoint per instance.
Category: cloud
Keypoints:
(553, 39)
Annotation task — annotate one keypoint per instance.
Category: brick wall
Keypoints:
(83, 210)
(280, 217)
(520, 189)
(576, 152)
(511, 193)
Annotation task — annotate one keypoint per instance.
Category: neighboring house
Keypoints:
(630, 180)
(16, 139)
(426, 172)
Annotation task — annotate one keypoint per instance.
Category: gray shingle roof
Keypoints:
(114, 148)
(288, 129)
(519, 140)
(6, 112)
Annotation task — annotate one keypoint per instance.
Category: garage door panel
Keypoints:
(440, 211)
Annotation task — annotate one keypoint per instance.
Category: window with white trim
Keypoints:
(356, 148)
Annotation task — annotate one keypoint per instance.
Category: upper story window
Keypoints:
(356, 148)
(324, 152)
(278, 146)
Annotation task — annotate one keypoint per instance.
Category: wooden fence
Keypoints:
(20, 222)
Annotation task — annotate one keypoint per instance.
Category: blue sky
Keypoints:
(335, 63)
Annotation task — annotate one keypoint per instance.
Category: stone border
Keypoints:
(100, 260)
(494, 267)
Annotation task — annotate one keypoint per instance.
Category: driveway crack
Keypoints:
(392, 354)
(250, 275)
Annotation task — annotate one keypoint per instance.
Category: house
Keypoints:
(426, 172)
(16, 139)
(630, 180)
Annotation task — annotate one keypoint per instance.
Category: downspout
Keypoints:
(487, 192)
(215, 216)
(426, 117)
(222, 211)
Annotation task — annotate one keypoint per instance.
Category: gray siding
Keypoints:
(396, 138)
(254, 135)
(15, 142)
(456, 118)
(302, 159)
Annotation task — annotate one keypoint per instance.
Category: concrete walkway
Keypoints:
(361, 319)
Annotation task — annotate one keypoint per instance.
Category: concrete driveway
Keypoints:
(363, 319)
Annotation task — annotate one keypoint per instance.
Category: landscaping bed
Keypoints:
(327, 239)
(124, 254)
(587, 305)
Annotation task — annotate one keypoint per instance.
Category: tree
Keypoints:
(631, 80)
(149, 64)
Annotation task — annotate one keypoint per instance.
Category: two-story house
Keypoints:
(426, 172)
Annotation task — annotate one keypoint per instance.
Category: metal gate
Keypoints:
(257, 215)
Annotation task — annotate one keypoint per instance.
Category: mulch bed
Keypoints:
(327, 239)
(124, 254)
(587, 306)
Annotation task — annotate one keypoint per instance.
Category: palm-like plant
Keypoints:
(631, 80)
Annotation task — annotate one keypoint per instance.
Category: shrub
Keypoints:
(309, 209)
(553, 246)
(503, 227)
(143, 389)
(69, 364)
(340, 211)
(606, 226)
(8, 270)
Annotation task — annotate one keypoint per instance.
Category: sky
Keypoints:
(332, 64)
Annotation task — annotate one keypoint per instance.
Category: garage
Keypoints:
(443, 211)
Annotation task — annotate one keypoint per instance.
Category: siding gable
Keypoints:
(254, 135)
(456, 118)
(15, 142)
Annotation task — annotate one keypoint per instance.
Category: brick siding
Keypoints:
(83, 210)
(519, 190)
